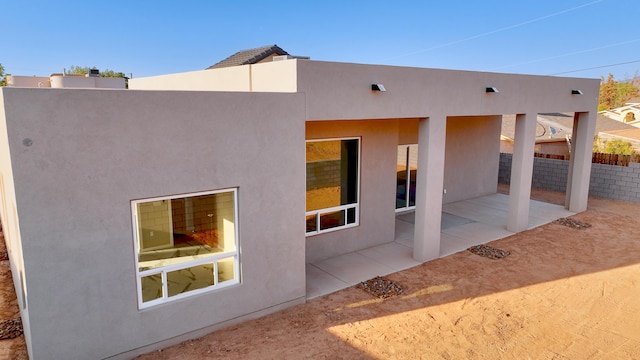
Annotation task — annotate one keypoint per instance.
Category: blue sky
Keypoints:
(145, 38)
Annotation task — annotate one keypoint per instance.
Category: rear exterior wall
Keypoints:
(472, 156)
(378, 150)
(78, 158)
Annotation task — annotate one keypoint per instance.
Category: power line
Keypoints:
(567, 54)
(496, 31)
(597, 67)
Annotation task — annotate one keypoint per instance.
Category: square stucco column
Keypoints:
(521, 172)
(431, 142)
(584, 125)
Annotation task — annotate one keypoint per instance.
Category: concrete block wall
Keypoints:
(607, 181)
(616, 182)
(504, 168)
(322, 174)
(550, 174)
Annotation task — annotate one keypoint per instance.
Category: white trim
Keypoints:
(212, 258)
(359, 138)
(355, 206)
(318, 213)
(408, 185)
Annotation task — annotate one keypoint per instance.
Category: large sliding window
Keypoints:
(185, 245)
(333, 171)
(406, 170)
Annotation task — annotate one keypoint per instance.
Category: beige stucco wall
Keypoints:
(472, 155)
(9, 217)
(472, 149)
(235, 78)
(408, 131)
(86, 82)
(276, 76)
(66, 81)
(558, 147)
(343, 91)
(28, 81)
(79, 157)
(270, 76)
(378, 151)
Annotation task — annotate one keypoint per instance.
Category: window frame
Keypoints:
(207, 259)
(356, 206)
(408, 207)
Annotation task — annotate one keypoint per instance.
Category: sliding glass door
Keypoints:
(406, 169)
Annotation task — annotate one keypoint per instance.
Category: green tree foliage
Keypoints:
(112, 74)
(597, 145)
(617, 146)
(84, 70)
(612, 146)
(106, 73)
(614, 93)
(3, 78)
(77, 70)
(607, 93)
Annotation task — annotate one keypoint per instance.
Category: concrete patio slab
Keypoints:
(320, 282)
(464, 224)
(353, 268)
(394, 255)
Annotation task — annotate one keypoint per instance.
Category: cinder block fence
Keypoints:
(607, 181)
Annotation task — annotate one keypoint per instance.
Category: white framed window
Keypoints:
(333, 184)
(185, 245)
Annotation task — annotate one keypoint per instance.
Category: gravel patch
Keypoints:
(381, 287)
(489, 252)
(575, 224)
(10, 329)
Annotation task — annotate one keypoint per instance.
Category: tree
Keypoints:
(597, 145)
(3, 78)
(612, 146)
(618, 146)
(77, 70)
(84, 70)
(614, 93)
(607, 93)
(112, 74)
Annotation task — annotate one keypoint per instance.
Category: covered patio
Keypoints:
(464, 224)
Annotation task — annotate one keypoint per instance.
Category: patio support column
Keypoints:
(584, 125)
(428, 214)
(521, 172)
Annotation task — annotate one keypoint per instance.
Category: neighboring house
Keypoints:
(554, 132)
(139, 218)
(631, 136)
(89, 81)
(255, 56)
(628, 114)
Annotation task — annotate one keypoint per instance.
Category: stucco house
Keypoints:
(628, 114)
(136, 219)
(92, 80)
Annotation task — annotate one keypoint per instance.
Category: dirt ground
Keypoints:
(14, 348)
(562, 293)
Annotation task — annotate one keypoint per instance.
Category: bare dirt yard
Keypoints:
(562, 293)
(11, 346)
